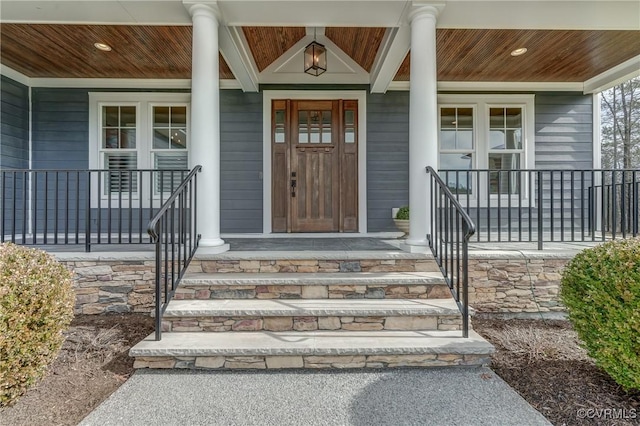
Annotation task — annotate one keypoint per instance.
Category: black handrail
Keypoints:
(174, 232)
(451, 230)
(540, 205)
(82, 207)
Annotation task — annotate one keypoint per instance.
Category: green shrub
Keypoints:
(601, 290)
(403, 213)
(36, 305)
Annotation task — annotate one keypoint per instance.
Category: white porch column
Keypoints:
(423, 120)
(205, 121)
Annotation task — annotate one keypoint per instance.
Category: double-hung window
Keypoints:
(130, 132)
(483, 141)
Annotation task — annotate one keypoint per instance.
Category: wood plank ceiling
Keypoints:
(360, 43)
(558, 55)
(67, 51)
(269, 43)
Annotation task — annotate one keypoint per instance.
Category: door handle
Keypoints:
(293, 187)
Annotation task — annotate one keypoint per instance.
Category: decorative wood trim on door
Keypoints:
(314, 162)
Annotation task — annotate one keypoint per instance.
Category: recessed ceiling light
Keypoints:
(102, 46)
(519, 51)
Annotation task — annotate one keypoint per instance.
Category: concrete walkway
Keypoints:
(451, 396)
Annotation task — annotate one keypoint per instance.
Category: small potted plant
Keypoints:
(401, 219)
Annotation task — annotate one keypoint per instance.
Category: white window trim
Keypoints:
(144, 103)
(481, 104)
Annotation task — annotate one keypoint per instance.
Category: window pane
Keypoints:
(465, 118)
(514, 139)
(447, 139)
(110, 116)
(447, 118)
(496, 118)
(465, 139)
(504, 161)
(169, 181)
(456, 161)
(514, 118)
(119, 179)
(179, 139)
(128, 138)
(178, 116)
(496, 139)
(160, 138)
(110, 138)
(457, 182)
(128, 116)
(160, 116)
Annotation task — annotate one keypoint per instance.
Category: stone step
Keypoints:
(311, 314)
(312, 349)
(354, 285)
(313, 262)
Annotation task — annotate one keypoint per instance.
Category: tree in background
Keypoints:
(620, 110)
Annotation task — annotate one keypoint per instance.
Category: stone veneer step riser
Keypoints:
(189, 291)
(311, 361)
(310, 323)
(314, 266)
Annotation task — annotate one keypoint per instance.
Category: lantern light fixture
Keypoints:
(315, 58)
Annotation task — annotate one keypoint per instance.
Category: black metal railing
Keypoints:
(82, 207)
(451, 228)
(174, 232)
(548, 205)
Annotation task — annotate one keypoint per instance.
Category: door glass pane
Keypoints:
(349, 126)
(279, 130)
(326, 126)
(303, 127)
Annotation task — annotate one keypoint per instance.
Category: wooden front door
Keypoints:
(314, 163)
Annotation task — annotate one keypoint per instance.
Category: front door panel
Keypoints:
(314, 163)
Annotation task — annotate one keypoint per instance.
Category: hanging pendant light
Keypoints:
(315, 58)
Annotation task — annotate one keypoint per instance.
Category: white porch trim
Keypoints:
(497, 86)
(616, 75)
(361, 97)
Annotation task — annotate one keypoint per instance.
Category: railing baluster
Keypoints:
(540, 210)
(561, 205)
(46, 205)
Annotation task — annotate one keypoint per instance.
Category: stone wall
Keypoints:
(515, 284)
(112, 285)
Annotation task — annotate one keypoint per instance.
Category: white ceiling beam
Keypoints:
(393, 49)
(616, 75)
(235, 50)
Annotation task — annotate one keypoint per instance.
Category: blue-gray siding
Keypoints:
(241, 161)
(387, 157)
(14, 124)
(564, 131)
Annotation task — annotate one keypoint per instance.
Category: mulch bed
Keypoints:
(543, 362)
(92, 364)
